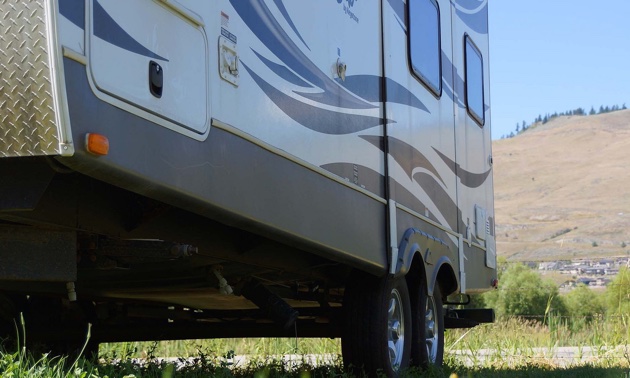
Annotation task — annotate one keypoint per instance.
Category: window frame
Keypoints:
(479, 119)
(416, 73)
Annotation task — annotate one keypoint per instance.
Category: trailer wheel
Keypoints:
(428, 334)
(377, 325)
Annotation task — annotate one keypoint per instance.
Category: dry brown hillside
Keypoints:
(562, 190)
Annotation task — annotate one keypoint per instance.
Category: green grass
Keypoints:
(21, 365)
(514, 344)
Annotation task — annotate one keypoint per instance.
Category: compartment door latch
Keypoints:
(156, 79)
(228, 61)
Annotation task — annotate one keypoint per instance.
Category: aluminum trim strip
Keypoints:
(393, 239)
(74, 55)
(189, 15)
(66, 146)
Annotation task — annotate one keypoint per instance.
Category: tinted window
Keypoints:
(474, 82)
(424, 42)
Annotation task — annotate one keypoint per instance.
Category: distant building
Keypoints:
(586, 281)
(549, 265)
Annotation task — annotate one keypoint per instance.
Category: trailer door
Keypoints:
(418, 70)
(473, 139)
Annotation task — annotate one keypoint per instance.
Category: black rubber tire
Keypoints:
(419, 348)
(366, 329)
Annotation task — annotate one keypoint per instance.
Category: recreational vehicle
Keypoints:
(177, 169)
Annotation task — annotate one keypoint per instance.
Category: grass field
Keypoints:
(509, 348)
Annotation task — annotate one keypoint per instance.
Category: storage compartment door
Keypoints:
(150, 57)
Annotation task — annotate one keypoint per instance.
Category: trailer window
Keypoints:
(424, 43)
(474, 82)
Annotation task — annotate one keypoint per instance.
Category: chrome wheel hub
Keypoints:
(396, 329)
(431, 330)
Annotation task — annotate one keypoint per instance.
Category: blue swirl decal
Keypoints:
(468, 179)
(74, 11)
(314, 118)
(441, 199)
(286, 16)
(407, 156)
(283, 72)
(262, 23)
(368, 87)
(454, 84)
(474, 13)
(107, 29)
(399, 8)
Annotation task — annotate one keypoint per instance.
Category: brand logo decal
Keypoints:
(347, 4)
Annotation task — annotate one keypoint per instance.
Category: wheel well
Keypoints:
(447, 280)
(446, 277)
(416, 271)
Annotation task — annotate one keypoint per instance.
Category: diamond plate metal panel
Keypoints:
(27, 112)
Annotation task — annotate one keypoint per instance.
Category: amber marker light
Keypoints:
(97, 144)
(494, 283)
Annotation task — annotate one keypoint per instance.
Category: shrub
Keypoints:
(618, 293)
(522, 292)
(583, 303)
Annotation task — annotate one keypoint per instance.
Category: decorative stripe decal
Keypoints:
(107, 29)
(469, 179)
(283, 72)
(398, 94)
(454, 84)
(446, 206)
(314, 118)
(398, 6)
(474, 13)
(408, 199)
(408, 157)
(262, 23)
(368, 87)
(286, 16)
(74, 11)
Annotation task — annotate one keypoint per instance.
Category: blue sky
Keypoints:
(554, 55)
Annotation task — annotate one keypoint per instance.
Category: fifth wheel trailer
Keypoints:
(197, 169)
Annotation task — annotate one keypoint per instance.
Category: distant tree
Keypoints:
(601, 109)
(594, 244)
(511, 135)
(607, 109)
(623, 107)
(523, 292)
(518, 127)
(618, 293)
(584, 302)
(623, 244)
(592, 111)
(524, 126)
(545, 119)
